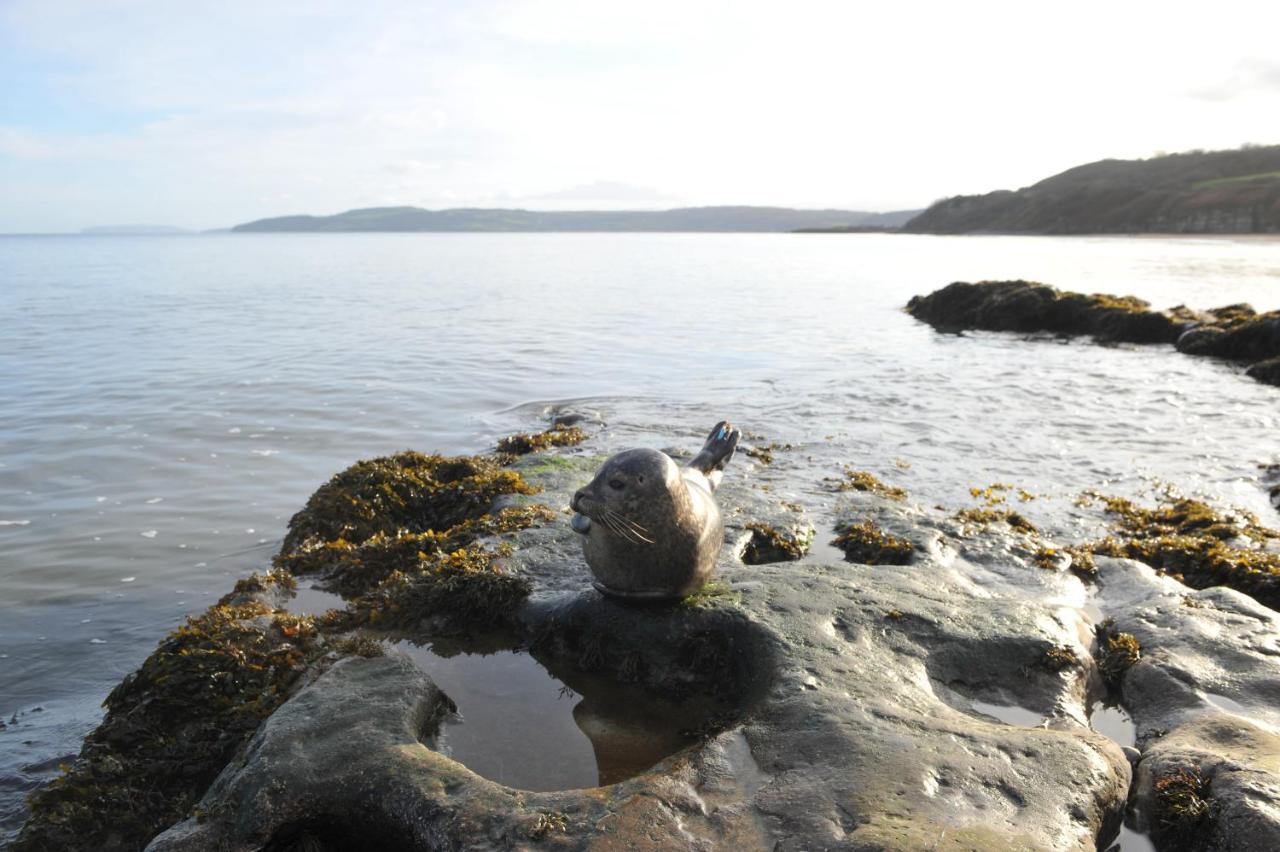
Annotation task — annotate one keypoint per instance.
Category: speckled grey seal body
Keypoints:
(651, 529)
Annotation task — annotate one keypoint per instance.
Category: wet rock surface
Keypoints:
(940, 704)
(1234, 332)
(1203, 697)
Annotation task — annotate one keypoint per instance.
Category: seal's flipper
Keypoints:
(717, 451)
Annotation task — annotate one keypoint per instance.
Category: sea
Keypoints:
(167, 403)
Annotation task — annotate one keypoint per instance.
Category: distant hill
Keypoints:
(761, 219)
(134, 230)
(1214, 192)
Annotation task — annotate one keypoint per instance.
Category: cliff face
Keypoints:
(1217, 192)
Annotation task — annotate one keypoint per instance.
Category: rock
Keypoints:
(1027, 306)
(864, 711)
(1234, 332)
(1267, 372)
(769, 543)
(937, 705)
(1204, 698)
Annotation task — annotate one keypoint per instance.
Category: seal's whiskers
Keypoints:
(635, 529)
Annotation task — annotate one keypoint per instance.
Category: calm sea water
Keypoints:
(167, 403)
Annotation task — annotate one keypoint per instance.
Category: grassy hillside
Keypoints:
(470, 219)
(1223, 192)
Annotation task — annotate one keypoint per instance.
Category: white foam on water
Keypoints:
(154, 500)
(14, 523)
(149, 533)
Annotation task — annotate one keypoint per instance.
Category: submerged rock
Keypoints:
(1233, 332)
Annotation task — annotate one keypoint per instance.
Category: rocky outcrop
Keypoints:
(856, 715)
(1235, 332)
(937, 705)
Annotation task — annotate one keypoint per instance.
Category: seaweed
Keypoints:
(171, 726)
(407, 491)
(259, 584)
(866, 543)
(1057, 658)
(1117, 652)
(557, 436)
(546, 823)
(770, 544)
(861, 480)
(453, 592)
(355, 569)
(1198, 545)
(985, 517)
(763, 453)
(1183, 809)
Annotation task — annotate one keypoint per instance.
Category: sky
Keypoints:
(206, 114)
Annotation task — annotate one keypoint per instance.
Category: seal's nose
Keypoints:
(574, 504)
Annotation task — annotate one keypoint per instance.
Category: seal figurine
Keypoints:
(651, 529)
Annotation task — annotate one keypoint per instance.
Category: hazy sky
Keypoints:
(204, 114)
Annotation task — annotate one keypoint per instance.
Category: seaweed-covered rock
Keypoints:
(1199, 546)
(866, 543)
(172, 726)
(355, 569)
(868, 483)
(1234, 332)
(1027, 306)
(1203, 699)
(557, 436)
(460, 591)
(407, 491)
(769, 543)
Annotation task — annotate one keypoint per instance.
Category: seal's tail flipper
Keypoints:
(717, 451)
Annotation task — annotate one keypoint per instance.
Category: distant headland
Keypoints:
(1198, 192)
(684, 219)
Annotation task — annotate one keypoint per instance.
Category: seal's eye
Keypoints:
(616, 484)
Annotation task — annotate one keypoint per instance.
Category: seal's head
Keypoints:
(629, 491)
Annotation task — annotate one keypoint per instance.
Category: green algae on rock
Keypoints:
(526, 442)
(769, 543)
(407, 491)
(866, 543)
(171, 727)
